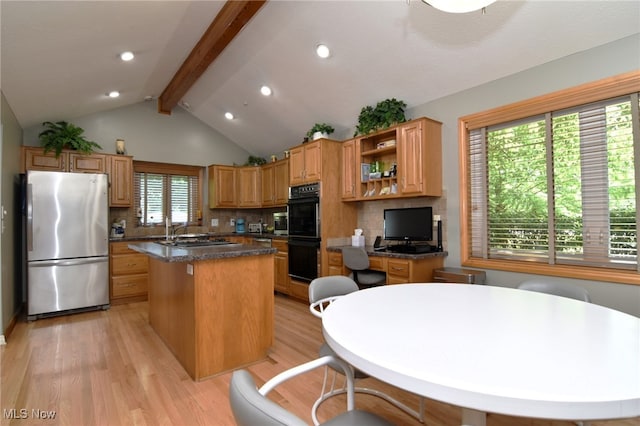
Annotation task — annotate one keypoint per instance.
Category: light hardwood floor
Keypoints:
(110, 368)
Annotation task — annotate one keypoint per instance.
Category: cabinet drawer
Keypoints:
(129, 285)
(281, 245)
(335, 259)
(398, 268)
(129, 264)
(377, 263)
(122, 247)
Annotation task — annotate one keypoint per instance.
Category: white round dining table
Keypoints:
(493, 349)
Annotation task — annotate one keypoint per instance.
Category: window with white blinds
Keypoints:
(167, 190)
(558, 188)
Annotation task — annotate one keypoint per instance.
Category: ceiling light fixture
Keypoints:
(126, 56)
(458, 6)
(322, 50)
(113, 94)
(228, 116)
(265, 90)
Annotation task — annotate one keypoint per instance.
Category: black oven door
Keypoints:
(304, 217)
(304, 259)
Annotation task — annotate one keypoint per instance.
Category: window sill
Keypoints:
(566, 271)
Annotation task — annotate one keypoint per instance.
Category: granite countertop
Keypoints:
(371, 252)
(210, 235)
(194, 254)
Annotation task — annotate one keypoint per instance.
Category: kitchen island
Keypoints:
(213, 305)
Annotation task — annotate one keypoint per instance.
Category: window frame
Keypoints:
(173, 169)
(607, 88)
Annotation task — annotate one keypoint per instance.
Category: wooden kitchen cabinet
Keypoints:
(128, 272)
(248, 186)
(281, 270)
(119, 168)
(414, 147)
(222, 186)
(335, 263)
(399, 270)
(420, 158)
(120, 171)
(231, 186)
(34, 158)
(305, 163)
(349, 161)
(275, 183)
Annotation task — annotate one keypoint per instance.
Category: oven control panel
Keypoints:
(304, 191)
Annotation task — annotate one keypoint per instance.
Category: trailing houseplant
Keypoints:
(323, 128)
(62, 135)
(387, 113)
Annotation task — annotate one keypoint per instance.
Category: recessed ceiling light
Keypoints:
(113, 94)
(323, 51)
(228, 116)
(265, 90)
(126, 56)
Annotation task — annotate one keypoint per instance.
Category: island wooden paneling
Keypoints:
(215, 315)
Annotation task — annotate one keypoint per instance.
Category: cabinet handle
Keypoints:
(395, 268)
(132, 264)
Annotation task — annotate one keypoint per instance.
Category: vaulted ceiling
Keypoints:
(60, 58)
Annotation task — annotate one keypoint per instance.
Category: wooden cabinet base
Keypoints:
(299, 290)
(214, 315)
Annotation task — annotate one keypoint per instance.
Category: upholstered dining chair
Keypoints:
(356, 259)
(251, 406)
(322, 292)
(553, 287)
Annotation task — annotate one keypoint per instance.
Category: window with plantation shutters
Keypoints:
(558, 188)
(167, 190)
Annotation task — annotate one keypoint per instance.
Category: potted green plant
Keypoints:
(386, 114)
(390, 112)
(62, 135)
(320, 130)
(255, 161)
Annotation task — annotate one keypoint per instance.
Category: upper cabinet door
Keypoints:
(349, 161)
(411, 161)
(120, 171)
(36, 159)
(249, 188)
(94, 163)
(296, 166)
(222, 186)
(281, 182)
(313, 162)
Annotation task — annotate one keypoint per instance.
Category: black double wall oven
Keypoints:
(304, 231)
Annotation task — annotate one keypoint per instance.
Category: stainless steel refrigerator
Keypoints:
(67, 237)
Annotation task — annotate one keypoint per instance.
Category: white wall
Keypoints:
(178, 138)
(594, 64)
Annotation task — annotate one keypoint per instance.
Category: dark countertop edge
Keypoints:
(210, 234)
(194, 254)
(371, 252)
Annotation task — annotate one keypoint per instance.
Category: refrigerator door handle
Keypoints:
(29, 218)
(68, 262)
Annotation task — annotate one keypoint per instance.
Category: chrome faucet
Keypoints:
(175, 228)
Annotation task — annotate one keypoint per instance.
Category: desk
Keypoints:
(399, 267)
(493, 349)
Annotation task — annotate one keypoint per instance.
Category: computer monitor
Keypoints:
(408, 224)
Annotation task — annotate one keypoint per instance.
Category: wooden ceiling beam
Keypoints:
(233, 16)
